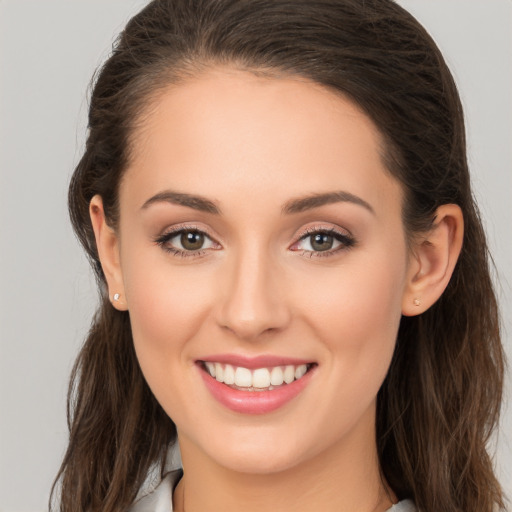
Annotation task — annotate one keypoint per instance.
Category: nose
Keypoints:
(254, 297)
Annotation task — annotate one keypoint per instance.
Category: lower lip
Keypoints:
(255, 402)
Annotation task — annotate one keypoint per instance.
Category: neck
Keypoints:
(342, 479)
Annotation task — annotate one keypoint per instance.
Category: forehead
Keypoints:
(281, 136)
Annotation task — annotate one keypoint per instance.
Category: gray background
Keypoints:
(48, 52)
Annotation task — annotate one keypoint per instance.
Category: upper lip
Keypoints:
(253, 362)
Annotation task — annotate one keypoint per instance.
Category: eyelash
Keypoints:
(346, 242)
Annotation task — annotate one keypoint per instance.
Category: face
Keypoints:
(263, 262)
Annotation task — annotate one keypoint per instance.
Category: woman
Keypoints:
(295, 287)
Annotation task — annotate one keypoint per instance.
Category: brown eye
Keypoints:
(321, 241)
(327, 242)
(186, 242)
(192, 240)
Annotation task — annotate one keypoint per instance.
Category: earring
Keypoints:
(417, 302)
(116, 296)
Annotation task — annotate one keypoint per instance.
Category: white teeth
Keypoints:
(243, 377)
(300, 371)
(261, 378)
(211, 368)
(229, 374)
(276, 376)
(219, 372)
(289, 374)
(258, 379)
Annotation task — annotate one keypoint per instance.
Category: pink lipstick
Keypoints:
(255, 385)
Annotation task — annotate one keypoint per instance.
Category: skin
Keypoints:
(250, 145)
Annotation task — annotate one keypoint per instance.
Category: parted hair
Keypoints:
(440, 402)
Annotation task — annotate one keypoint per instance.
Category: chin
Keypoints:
(257, 450)
(254, 460)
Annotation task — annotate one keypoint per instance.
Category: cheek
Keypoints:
(166, 307)
(357, 312)
(357, 321)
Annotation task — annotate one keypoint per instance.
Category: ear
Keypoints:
(432, 261)
(107, 243)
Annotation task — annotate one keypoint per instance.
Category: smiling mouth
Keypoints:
(257, 379)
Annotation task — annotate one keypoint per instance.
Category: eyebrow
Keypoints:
(316, 200)
(292, 206)
(191, 201)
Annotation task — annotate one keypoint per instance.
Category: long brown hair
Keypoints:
(441, 398)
